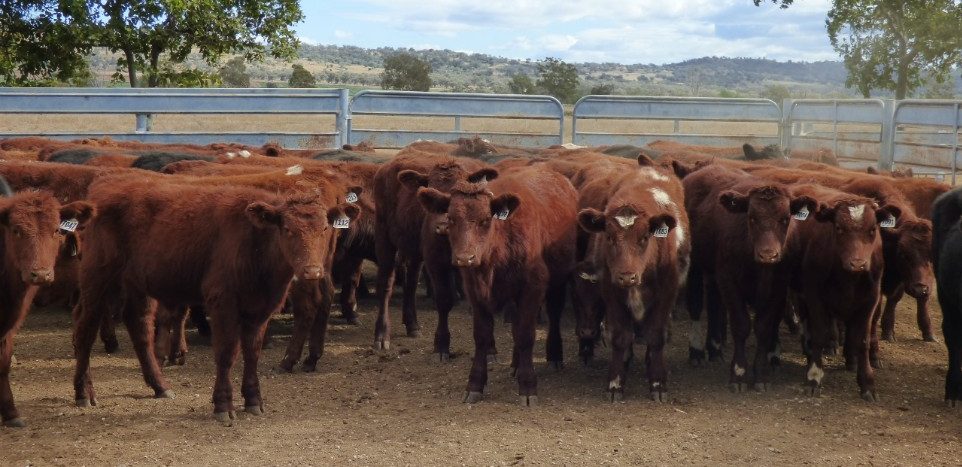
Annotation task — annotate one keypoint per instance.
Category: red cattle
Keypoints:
(405, 233)
(513, 240)
(739, 226)
(234, 249)
(836, 266)
(641, 244)
(30, 242)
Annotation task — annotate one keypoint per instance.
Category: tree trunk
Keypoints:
(902, 84)
(131, 67)
(154, 80)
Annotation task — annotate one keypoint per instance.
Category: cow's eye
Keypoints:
(485, 222)
(17, 232)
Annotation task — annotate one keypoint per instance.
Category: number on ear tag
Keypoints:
(342, 222)
(888, 223)
(502, 214)
(69, 225)
(351, 197)
(662, 232)
(802, 214)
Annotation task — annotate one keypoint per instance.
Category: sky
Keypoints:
(632, 31)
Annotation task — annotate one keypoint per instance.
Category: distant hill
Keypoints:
(359, 67)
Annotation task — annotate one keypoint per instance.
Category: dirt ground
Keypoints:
(404, 407)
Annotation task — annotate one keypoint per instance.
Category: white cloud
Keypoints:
(308, 40)
(341, 34)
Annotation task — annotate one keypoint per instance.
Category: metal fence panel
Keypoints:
(674, 109)
(927, 134)
(142, 102)
(456, 106)
(855, 129)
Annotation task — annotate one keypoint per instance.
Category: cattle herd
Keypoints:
(225, 236)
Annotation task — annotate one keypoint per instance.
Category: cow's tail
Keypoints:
(5, 189)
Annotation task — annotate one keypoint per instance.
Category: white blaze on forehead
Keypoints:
(661, 197)
(653, 174)
(857, 212)
(626, 221)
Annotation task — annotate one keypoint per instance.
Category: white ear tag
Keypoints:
(888, 223)
(351, 197)
(802, 214)
(662, 232)
(502, 214)
(342, 222)
(69, 225)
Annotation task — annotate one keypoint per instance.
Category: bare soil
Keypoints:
(404, 407)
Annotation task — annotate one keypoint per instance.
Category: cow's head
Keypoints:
(305, 230)
(768, 210)
(474, 216)
(33, 235)
(856, 225)
(443, 177)
(913, 240)
(629, 232)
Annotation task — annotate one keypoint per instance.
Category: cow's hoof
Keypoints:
(813, 391)
(471, 397)
(493, 360)
(556, 365)
(870, 396)
(111, 346)
(415, 333)
(286, 366)
(444, 357)
(382, 344)
(255, 410)
(929, 338)
(951, 403)
(888, 336)
(696, 357)
(85, 403)
(514, 372)
(614, 396)
(659, 396)
(225, 418)
(166, 394)
(586, 359)
(529, 401)
(309, 367)
(738, 388)
(352, 320)
(15, 423)
(180, 360)
(875, 362)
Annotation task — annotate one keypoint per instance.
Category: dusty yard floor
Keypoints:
(404, 407)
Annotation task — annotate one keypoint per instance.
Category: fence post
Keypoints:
(887, 136)
(785, 125)
(144, 123)
(343, 123)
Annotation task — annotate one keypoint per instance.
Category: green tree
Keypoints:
(147, 31)
(776, 92)
(405, 72)
(234, 73)
(521, 84)
(602, 89)
(301, 78)
(36, 46)
(894, 44)
(935, 89)
(780, 3)
(558, 79)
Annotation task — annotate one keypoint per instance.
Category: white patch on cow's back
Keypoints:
(653, 174)
(626, 221)
(294, 170)
(231, 155)
(244, 153)
(661, 197)
(635, 304)
(815, 374)
(571, 146)
(857, 212)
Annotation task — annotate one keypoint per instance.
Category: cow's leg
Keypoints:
(734, 304)
(922, 317)
(862, 324)
(225, 339)
(163, 324)
(655, 336)
(768, 316)
(386, 266)
(252, 336)
(817, 324)
(305, 296)
(483, 340)
(139, 313)
(315, 348)
(349, 283)
(178, 337)
(8, 410)
(888, 316)
(554, 349)
(409, 314)
(874, 359)
(619, 322)
(199, 317)
(108, 333)
(524, 327)
(717, 320)
(696, 304)
(442, 278)
(99, 297)
(951, 305)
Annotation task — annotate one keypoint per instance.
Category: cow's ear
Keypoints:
(871, 170)
(886, 212)
(591, 220)
(682, 169)
(351, 211)
(504, 205)
(750, 152)
(412, 179)
(80, 210)
(657, 224)
(802, 201)
(825, 213)
(264, 215)
(484, 175)
(734, 201)
(433, 200)
(645, 161)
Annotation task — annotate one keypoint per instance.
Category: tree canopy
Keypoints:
(52, 37)
(405, 72)
(301, 78)
(559, 79)
(234, 73)
(521, 84)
